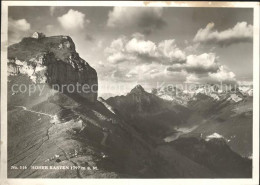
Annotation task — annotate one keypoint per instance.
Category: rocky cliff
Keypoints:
(53, 60)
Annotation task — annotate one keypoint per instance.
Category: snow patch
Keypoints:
(178, 133)
(200, 90)
(235, 98)
(80, 121)
(246, 90)
(166, 97)
(214, 96)
(55, 119)
(214, 136)
(18, 62)
(110, 108)
(250, 92)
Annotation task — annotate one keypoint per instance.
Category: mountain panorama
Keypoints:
(59, 127)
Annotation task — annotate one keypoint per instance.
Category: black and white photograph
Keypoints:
(130, 91)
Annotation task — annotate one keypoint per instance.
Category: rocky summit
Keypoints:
(53, 60)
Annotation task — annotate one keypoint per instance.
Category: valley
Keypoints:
(137, 135)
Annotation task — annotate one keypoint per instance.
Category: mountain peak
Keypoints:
(137, 89)
(53, 60)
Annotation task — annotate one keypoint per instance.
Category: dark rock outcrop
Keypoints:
(54, 60)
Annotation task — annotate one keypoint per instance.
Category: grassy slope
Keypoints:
(33, 139)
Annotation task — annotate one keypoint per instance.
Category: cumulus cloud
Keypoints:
(204, 68)
(197, 64)
(223, 75)
(137, 49)
(144, 60)
(138, 59)
(133, 49)
(73, 20)
(117, 58)
(146, 19)
(17, 29)
(169, 50)
(206, 62)
(141, 47)
(116, 45)
(241, 32)
(192, 48)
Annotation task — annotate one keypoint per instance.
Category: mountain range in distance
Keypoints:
(137, 135)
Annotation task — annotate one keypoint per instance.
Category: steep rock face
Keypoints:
(54, 60)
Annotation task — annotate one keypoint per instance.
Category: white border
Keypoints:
(4, 19)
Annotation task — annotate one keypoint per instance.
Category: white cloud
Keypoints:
(117, 57)
(139, 50)
(223, 75)
(192, 48)
(130, 64)
(146, 19)
(73, 20)
(169, 50)
(17, 29)
(141, 47)
(192, 78)
(241, 32)
(204, 68)
(138, 59)
(203, 63)
(138, 36)
(197, 64)
(116, 45)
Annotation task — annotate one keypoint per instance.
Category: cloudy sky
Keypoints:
(128, 45)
